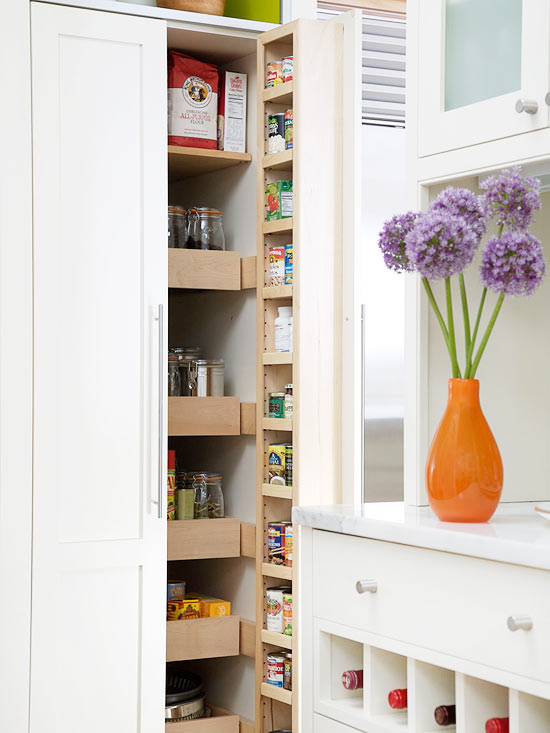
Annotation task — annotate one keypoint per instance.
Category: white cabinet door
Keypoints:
(100, 264)
(476, 59)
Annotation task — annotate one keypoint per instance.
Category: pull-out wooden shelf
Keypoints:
(197, 269)
(282, 640)
(271, 570)
(221, 721)
(186, 162)
(276, 693)
(202, 638)
(210, 416)
(197, 539)
(281, 94)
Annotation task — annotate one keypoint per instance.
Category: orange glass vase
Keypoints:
(464, 468)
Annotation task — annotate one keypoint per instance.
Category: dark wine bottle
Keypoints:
(397, 699)
(445, 715)
(497, 725)
(352, 679)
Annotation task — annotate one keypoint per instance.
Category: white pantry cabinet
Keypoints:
(476, 60)
(100, 281)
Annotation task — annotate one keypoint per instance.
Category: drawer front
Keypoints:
(326, 725)
(449, 603)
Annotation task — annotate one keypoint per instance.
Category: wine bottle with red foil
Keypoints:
(352, 679)
(445, 715)
(497, 725)
(397, 699)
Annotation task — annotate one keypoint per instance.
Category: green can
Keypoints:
(276, 404)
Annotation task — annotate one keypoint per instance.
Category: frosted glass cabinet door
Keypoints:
(477, 58)
(100, 273)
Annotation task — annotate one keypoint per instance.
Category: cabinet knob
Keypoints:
(547, 98)
(366, 586)
(520, 622)
(527, 105)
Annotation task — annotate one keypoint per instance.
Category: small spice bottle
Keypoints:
(289, 401)
(276, 404)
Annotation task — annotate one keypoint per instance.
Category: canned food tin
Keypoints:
(289, 264)
(289, 129)
(274, 73)
(287, 613)
(171, 501)
(274, 602)
(288, 464)
(276, 463)
(276, 132)
(275, 669)
(276, 404)
(175, 609)
(288, 545)
(175, 590)
(276, 543)
(276, 265)
(287, 69)
(287, 672)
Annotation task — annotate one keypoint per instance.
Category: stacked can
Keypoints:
(274, 602)
(280, 464)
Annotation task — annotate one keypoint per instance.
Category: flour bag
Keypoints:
(192, 102)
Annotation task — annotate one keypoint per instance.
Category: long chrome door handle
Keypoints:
(366, 586)
(520, 622)
(161, 411)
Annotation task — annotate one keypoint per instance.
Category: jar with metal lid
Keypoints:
(186, 355)
(200, 496)
(207, 378)
(276, 404)
(177, 227)
(208, 229)
(214, 496)
(174, 375)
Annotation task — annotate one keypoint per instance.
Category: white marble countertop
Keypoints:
(516, 533)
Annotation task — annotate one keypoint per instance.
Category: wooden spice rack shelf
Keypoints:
(275, 639)
(197, 269)
(277, 357)
(198, 539)
(275, 292)
(276, 693)
(278, 226)
(276, 491)
(281, 94)
(270, 570)
(202, 638)
(277, 423)
(185, 162)
(220, 721)
(210, 416)
(278, 161)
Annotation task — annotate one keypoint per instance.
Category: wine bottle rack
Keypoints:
(428, 686)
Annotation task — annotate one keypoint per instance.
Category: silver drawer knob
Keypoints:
(520, 622)
(366, 586)
(547, 98)
(527, 105)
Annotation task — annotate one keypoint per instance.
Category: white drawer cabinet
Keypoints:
(449, 603)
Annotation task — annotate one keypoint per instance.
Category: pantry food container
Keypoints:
(205, 229)
(186, 355)
(207, 378)
(177, 227)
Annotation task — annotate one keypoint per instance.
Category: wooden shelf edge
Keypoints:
(276, 491)
(271, 637)
(204, 539)
(248, 272)
(277, 357)
(278, 161)
(221, 721)
(275, 292)
(198, 269)
(277, 423)
(276, 571)
(248, 418)
(278, 225)
(248, 638)
(247, 726)
(204, 416)
(276, 693)
(248, 540)
(209, 153)
(281, 94)
(202, 638)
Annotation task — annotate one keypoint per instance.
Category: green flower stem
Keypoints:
(465, 313)
(470, 351)
(433, 303)
(486, 335)
(450, 321)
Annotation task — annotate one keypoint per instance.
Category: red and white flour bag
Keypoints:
(192, 102)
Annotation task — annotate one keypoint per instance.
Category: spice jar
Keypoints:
(174, 375)
(276, 404)
(208, 229)
(177, 227)
(214, 496)
(207, 377)
(289, 401)
(200, 499)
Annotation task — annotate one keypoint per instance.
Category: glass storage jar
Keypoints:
(207, 378)
(177, 227)
(186, 356)
(174, 375)
(200, 496)
(208, 229)
(214, 496)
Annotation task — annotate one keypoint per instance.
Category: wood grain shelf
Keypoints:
(198, 269)
(278, 161)
(200, 539)
(276, 491)
(271, 637)
(278, 226)
(185, 162)
(248, 540)
(220, 721)
(277, 357)
(210, 416)
(248, 638)
(276, 693)
(270, 570)
(248, 272)
(281, 94)
(275, 292)
(277, 423)
(202, 638)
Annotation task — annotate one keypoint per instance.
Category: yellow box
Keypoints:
(183, 609)
(211, 607)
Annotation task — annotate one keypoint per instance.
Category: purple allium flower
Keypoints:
(511, 198)
(513, 264)
(391, 241)
(464, 203)
(441, 245)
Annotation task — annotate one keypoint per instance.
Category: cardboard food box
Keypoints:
(210, 606)
(232, 112)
